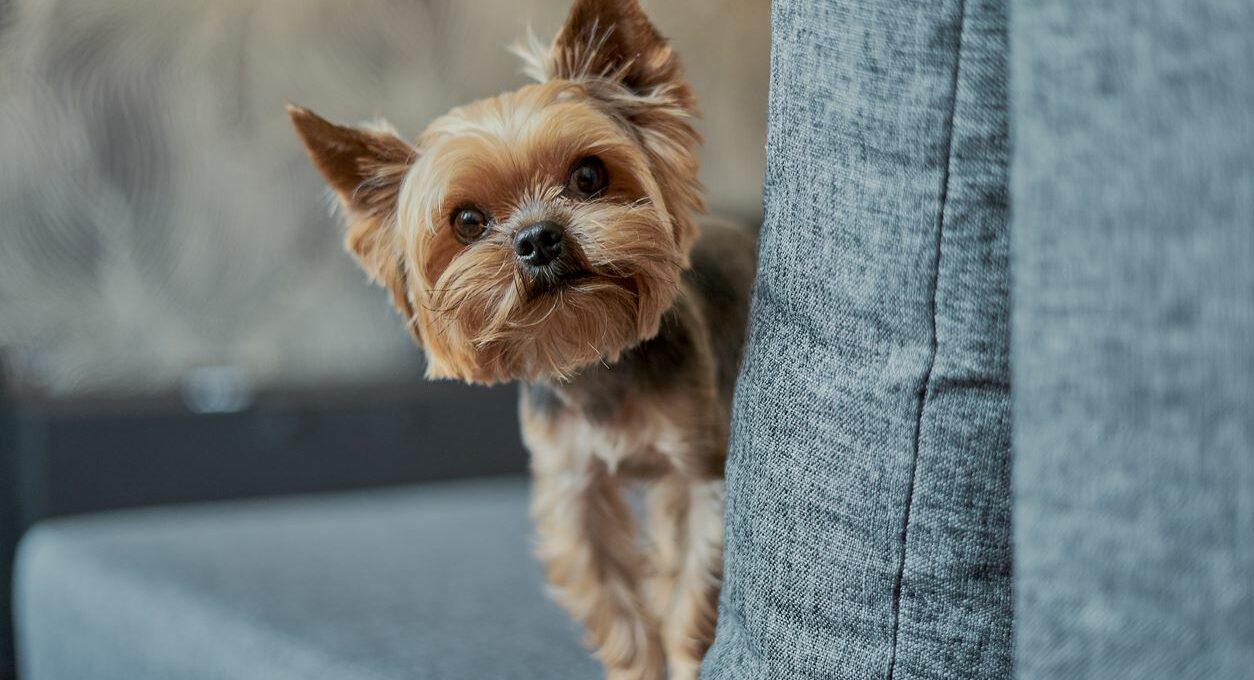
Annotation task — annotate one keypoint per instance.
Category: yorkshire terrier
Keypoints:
(549, 235)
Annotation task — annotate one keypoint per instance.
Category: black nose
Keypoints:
(539, 244)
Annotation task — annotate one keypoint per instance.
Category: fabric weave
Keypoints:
(1134, 339)
(428, 582)
(868, 526)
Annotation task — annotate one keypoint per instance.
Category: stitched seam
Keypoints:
(926, 380)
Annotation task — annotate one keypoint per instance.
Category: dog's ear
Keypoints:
(365, 168)
(614, 39)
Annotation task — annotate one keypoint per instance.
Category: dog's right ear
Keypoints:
(616, 40)
(365, 168)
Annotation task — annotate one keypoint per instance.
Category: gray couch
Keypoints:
(996, 417)
(997, 414)
(427, 582)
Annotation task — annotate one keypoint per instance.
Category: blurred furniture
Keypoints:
(403, 584)
(73, 457)
(69, 457)
(10, 521)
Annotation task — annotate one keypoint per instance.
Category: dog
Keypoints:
(552, 236)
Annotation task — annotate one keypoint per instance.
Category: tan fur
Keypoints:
(510, 156)
(611, 88)
(676, 444)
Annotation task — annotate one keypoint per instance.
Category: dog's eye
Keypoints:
(469, 224)
(588, 178)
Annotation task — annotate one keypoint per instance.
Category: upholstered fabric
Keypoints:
(868, 517)
(425, 582)
(1134, 339)
(870, 539)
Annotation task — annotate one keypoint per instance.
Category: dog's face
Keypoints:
(540, 231)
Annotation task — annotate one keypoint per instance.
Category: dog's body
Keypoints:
(659, 415)
(549, 236)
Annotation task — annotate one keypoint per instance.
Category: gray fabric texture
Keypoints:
(868, 525)
(1133, 255)
(429, 582)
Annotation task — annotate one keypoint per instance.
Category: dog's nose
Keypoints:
(539, 244)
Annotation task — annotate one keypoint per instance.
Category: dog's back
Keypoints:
(721, 277)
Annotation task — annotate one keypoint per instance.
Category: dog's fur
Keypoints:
(627, 344)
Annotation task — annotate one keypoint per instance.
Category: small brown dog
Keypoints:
(549, 235)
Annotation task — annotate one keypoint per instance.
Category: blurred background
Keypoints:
(178, 321)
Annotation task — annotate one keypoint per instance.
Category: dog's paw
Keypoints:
(683, 669)
(633, 653)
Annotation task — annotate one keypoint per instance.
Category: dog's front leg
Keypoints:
(690, 513)
(588, 544)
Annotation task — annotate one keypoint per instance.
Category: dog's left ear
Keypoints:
(614, 39)
(365, 168)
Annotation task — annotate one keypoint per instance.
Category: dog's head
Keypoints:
(539, 231)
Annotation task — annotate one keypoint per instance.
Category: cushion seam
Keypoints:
(926, 378)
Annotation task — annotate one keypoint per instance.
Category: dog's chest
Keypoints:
(648, 411)
(636, 437)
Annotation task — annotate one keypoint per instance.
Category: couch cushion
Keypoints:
(868, 474)
(1133, 339)
(425, 582)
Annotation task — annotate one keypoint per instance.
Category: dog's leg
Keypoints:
(665, 502)
(588, 544)
(697, 518)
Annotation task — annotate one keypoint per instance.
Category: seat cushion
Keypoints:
(425, 582)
